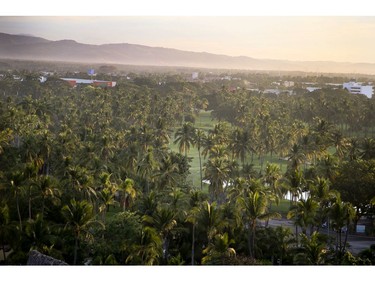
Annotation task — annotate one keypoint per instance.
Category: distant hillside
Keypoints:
(35, 48)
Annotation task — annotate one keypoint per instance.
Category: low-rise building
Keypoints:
(359, 88)
(288, 84)
(99, 83)
(312, 89)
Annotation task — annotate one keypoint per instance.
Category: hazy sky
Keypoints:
(324, 38)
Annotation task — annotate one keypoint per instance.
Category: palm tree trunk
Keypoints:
(29, 202)
(268, 218)
(346, 238)
(123, 204)
(200, 167)
(104, 215)
(340, 253)
(165, 250)
(75, 250)
(249, 242)
(3, 249)
(253, 241)
(18, 211)
(43, 206)
(297, 235)
(193, 246)
(337, 245)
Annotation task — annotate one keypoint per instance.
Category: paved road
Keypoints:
(357, 242)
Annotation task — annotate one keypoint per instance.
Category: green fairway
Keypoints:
(282, 208)
(205, 122)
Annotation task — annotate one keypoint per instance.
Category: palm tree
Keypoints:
(303, 214)
(184, 136)
(107, 198)
(46, 144)
(149, 203)
(147, 167)
(271, 180)
(168, 174)
(217, 172)
(79, 216)
(149, 248)
(220, 133)
(161, 131)
(254, 207)
(240, 144)
(312, 251)
(199, 138)
(31, 171)
(218, 250)
(129, 191)
(278, 244)
(16, 180)
(49, 189)
(192, 217)
(219, 151)
(5, 136)
(294, 182)
(4, 227)
(145, 138)
(320, 191)
(296, 156)
(368, 149)
(327, 167)
(39, 233)
(307, 146)
(80, 179)
(322, 131)
(340, 143)
(208, 144)
(210, 218)
(130, 155)
(354, 149)
(164, 221)
(342, 214)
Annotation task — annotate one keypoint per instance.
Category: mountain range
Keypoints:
(26, 47)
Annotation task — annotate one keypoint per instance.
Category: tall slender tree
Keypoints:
(184, 136)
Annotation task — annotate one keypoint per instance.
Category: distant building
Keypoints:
(98, 83)
(358, 88)
(288, 84)
(42, 79)
(272, 91)
(194, 75)
(277, 91)
(312, 89)
(18, 78)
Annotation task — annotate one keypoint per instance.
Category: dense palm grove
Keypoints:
(87, 175)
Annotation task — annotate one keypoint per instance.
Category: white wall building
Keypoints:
(194, 75)
(358, 88)
(312, 89)
(288, 84)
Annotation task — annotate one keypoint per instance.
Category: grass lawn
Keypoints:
(205, 122)
(282, 208)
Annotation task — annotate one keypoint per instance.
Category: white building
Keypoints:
(99, 83)
(194, 75)
(358, 88)
(288, 84)
(312, 89)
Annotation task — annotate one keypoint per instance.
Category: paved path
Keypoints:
(357, 242)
